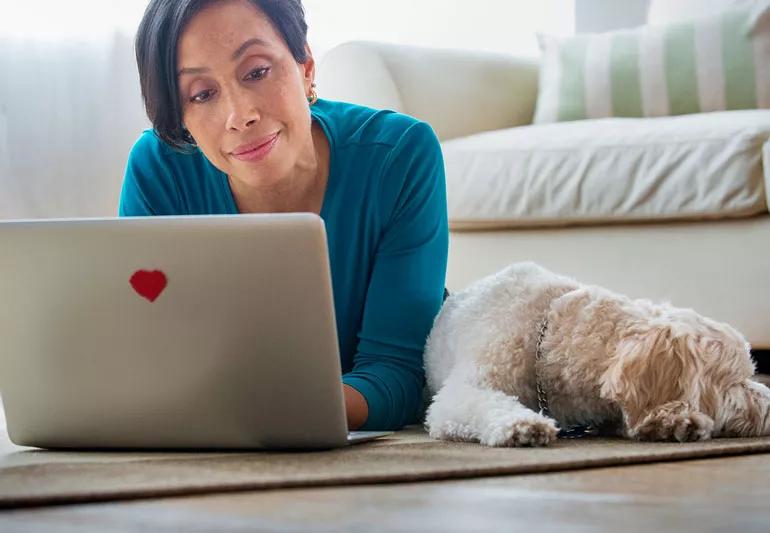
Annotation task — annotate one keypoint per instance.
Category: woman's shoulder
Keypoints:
(153, 157)
(149, 146)
(162, 180)
(354, 124)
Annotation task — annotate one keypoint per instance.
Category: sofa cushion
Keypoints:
(700, 166)
(713, 63)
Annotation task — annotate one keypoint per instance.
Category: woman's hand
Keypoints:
(356, 408)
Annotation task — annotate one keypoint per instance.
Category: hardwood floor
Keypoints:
(726, 494)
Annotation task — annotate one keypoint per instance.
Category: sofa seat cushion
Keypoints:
(615, 170)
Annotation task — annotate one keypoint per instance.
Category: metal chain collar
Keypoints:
(542, 399)
(572, 432)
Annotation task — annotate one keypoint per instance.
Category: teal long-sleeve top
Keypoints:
(386, 222)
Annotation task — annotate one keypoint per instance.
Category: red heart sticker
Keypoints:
(149, 284)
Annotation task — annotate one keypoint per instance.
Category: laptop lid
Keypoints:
(170, 332)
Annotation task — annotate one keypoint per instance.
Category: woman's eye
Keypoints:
(258, 74)
(201, 97)
(204, 96)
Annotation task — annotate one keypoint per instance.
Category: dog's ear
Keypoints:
(649, 367)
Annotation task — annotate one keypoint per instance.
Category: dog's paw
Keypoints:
(674, 424)
(450, 431)
(536, 430)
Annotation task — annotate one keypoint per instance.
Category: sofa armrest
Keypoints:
(458, 92)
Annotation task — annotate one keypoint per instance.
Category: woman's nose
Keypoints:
(243, 112)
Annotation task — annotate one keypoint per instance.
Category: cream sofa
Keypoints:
(668, 208)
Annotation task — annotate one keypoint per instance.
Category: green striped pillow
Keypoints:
(712, 63)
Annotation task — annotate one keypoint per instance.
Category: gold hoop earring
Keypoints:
(313, 98)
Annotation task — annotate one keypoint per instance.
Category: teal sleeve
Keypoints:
(149, 188)
(406, 285)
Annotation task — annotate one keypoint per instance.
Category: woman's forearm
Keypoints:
(356, 408)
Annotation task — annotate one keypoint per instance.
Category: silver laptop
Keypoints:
(210, 332)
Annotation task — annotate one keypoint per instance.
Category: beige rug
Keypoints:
(34, 477)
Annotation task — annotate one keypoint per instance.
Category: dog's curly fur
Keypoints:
(635, 368)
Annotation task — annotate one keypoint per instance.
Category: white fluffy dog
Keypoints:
(629, 367)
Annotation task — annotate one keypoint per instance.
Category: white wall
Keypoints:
(499, 25)
(604, 15)
(507, 26)
(53, 20)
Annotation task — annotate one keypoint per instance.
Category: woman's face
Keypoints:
(244, 96)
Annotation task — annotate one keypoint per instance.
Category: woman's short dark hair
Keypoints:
(156, 51)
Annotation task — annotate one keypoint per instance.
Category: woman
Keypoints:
(238, 128)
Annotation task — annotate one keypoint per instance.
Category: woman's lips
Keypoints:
(258, 153)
